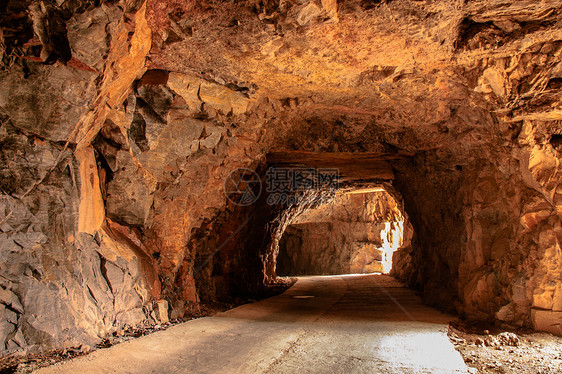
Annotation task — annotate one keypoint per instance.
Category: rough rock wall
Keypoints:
(355, 233)
(327, 248)
(148, 158)
(59, 287)
(61, 283)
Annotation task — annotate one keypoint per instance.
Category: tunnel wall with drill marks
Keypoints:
(471, 91)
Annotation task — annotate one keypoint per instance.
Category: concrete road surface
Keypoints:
(334, 324)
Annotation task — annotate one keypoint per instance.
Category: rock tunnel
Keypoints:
(122, 123)
(356, 233)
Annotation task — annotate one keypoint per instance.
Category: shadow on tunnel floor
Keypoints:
(341, 298)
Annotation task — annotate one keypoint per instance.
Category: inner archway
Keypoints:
(355, 233)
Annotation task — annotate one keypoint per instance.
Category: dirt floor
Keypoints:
(493, 351)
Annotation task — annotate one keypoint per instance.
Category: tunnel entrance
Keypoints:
(355, 233)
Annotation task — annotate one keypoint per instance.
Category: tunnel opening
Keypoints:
(355, 233)
(356, 225)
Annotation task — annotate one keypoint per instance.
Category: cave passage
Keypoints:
(136, 138)
(356, 233)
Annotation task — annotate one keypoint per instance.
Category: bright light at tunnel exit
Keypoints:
(392, 236)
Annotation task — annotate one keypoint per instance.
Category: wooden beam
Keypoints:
(352, 166)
